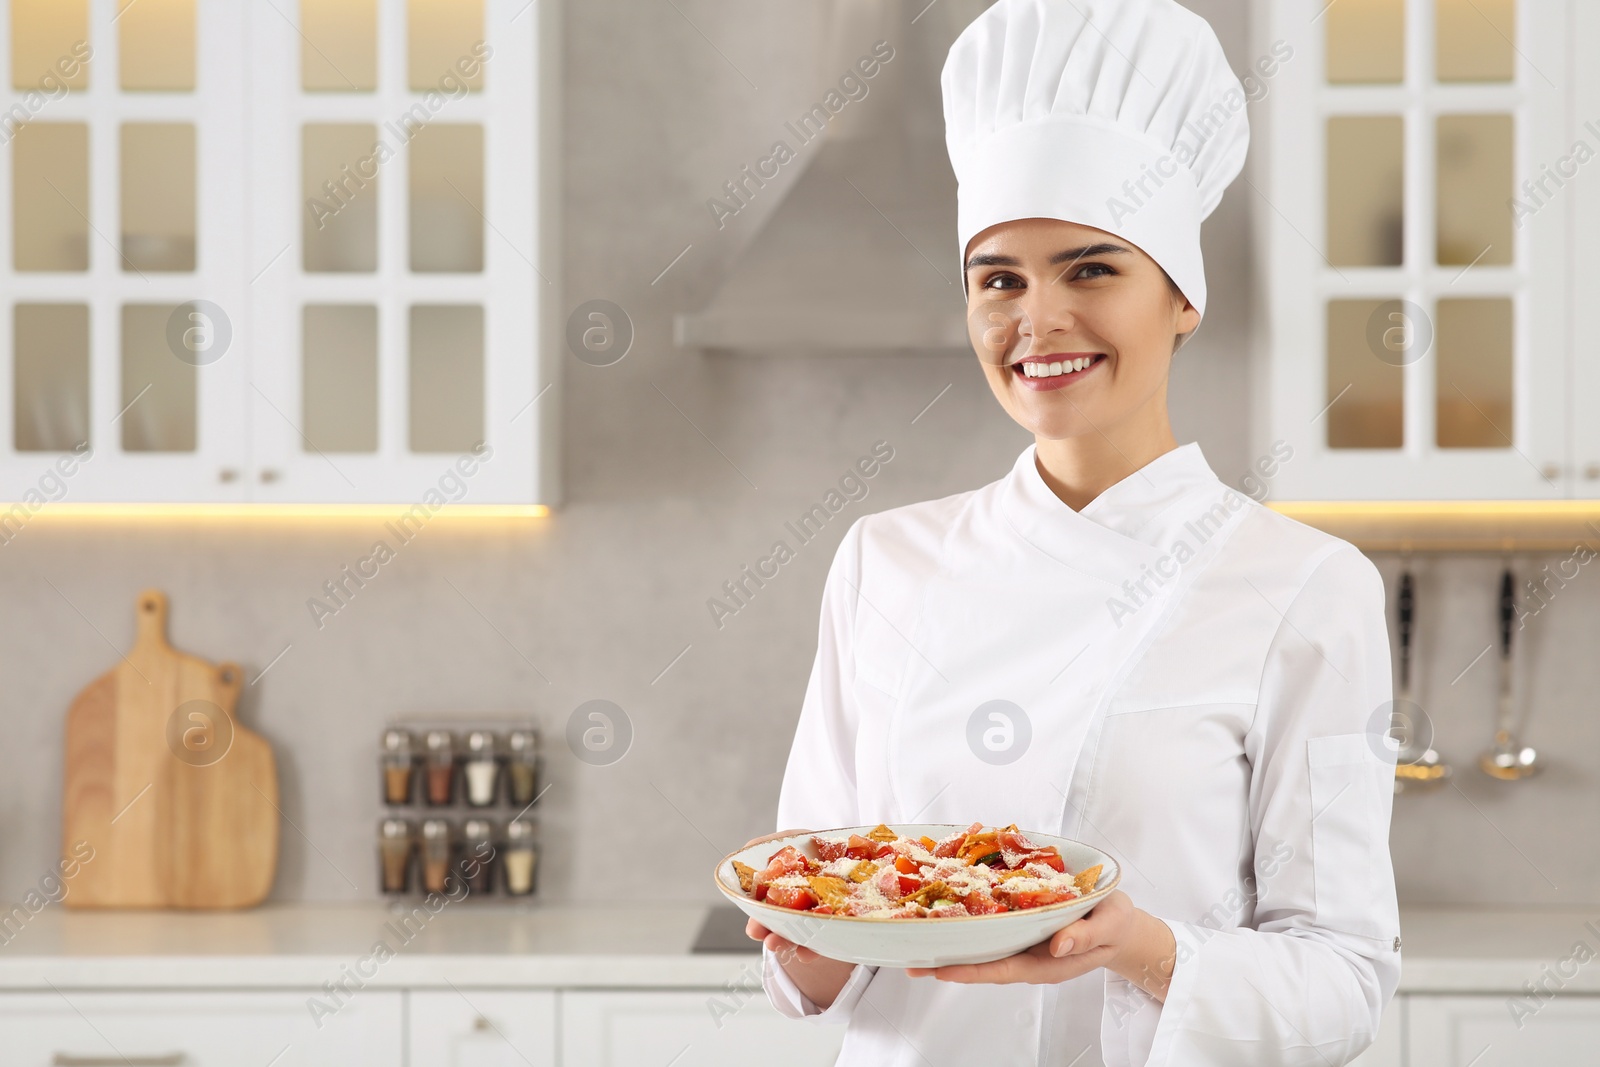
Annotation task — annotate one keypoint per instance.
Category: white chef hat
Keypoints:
(1117, 114)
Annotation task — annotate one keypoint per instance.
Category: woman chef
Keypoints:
(1107, 643)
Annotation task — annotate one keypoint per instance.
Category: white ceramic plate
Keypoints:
(926, 942)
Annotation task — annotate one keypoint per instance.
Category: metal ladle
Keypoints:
(1509, 760)
(1417, 765)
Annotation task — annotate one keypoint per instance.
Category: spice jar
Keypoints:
(399, 766)
(477, 856)
(481, 770)
(520, 856)
(395, 845)
(441, 767)
(522, 767)
(435, 855)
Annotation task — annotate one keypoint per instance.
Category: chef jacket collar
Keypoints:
(1127, 525)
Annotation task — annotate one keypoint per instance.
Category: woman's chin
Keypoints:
(1055, 421)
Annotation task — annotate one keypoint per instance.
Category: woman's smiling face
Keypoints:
(1044, 296)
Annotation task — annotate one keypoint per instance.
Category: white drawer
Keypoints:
(705, 1028)
(200, 1029)
(482, 1028)
(1502, 1031)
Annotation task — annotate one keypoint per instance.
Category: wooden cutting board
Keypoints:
(178, 801)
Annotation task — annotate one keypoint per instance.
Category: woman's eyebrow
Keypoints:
(989, 259)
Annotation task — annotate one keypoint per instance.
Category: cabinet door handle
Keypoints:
(1551, 471)
(67, 1059)
(1592, 471)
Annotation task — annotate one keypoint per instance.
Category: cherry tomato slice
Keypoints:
(978, 902)
(789, 896)
(787, 860)
(1020, 900)
(864, 848)
(828, 851)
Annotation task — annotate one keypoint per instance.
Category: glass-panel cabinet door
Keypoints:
(1417, 251)
(123, 296)
(1579, 167)
(398, 292)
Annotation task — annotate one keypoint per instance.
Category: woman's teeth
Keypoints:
(1048, 370)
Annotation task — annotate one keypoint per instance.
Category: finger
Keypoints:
(1064, 944)
(1085, 933)
(1083, 928)
(1035, 965)
(1021, 967)
(787, 950)
(755, 931)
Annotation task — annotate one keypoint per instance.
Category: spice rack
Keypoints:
(457, 796)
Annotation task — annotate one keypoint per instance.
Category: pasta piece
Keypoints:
(829, 890)
(931, 892)
(977, 846)
(863, 870)
(747, 876)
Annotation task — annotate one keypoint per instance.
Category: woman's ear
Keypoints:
(1188, 320)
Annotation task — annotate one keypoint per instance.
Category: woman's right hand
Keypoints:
(817, 976)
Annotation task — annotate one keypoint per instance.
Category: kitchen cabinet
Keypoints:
(1435, 1030)
(1584, 186)
(458, 1027)
(1424, 292)
(314, 268)
(402, 323)
(111, 223)
(1483, 1031)
(702, 1028)
(200, 1029)
(481, 1028)
(588, 986)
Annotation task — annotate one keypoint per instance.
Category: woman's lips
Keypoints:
(1055, 381)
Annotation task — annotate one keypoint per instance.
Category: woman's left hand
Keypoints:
(1115, 935)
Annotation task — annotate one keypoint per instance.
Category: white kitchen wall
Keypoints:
(663, 103)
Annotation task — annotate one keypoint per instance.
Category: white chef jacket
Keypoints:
(1205, 684)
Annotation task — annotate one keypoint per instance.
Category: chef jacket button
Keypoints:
(1397, 944)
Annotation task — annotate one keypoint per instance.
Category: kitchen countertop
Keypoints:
(1494, 950)
(299, 946)
(302, 946)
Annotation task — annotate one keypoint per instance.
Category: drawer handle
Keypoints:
(171, 1059)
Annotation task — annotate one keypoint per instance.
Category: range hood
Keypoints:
(860, 254)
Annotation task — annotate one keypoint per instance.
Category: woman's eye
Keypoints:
(1085, 272)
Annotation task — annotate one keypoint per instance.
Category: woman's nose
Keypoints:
(1041, 314)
